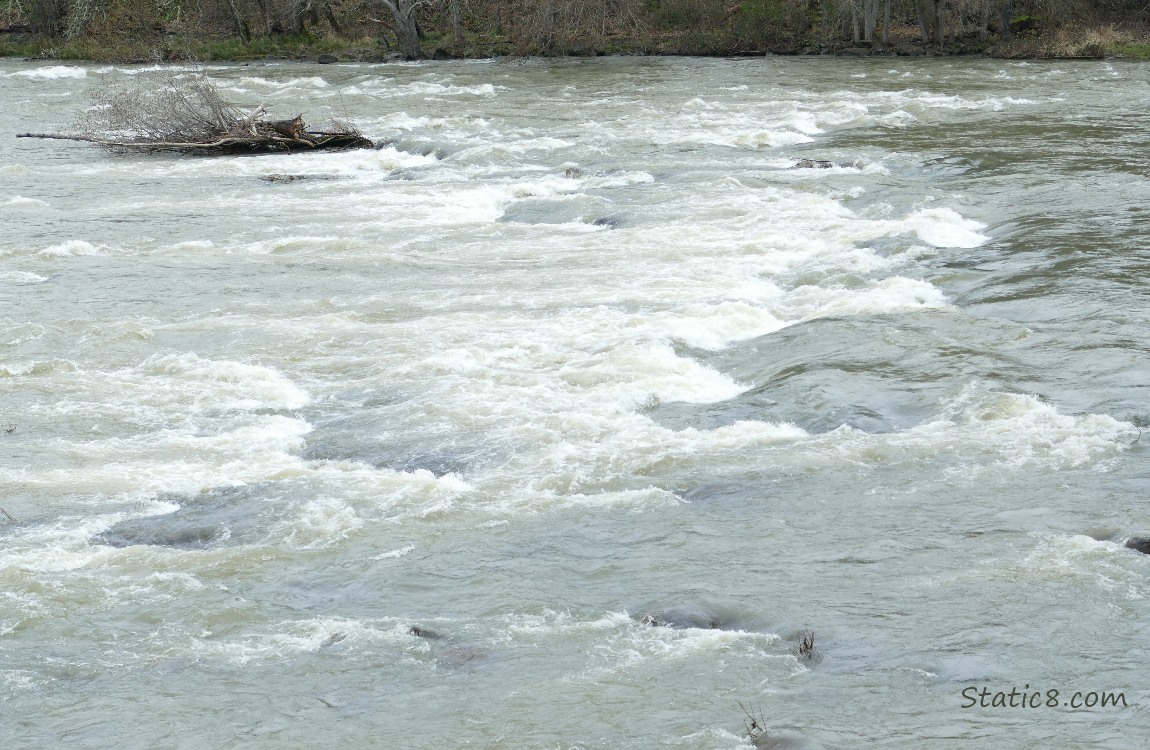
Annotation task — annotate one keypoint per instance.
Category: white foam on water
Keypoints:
(395, 553)
(19, 201)
(14, 333)
(326, 245)
(322, 522)
(617, 643)
(72, 248)
(20, 680)
(289, 639)
(253, 449)
(432, 89)
(191, 247)
(187, 383)
(53, 72)
(166, 68)
(982, 429)
(944, 227)
(21, 277)
(350, 494)
(58, 547)
(887, 295)
(36, 368)
(1106, 567)
(309, 82)
(178, 423)
(594, 459)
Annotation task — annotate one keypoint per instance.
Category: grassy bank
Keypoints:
(1062, 43)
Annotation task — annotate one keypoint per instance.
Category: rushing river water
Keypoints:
(585, 377)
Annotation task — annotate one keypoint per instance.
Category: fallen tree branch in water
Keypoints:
(10, 518)
(184, 112)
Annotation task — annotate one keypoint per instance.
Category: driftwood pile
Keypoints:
(184, 112)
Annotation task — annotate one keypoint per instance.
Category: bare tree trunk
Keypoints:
(854, 21)
(939, 26)
(265, 9)
(886, 24)
(984, 23)
(406, 31)
(870, 19)
(920, 11)
(457, 23)
(1007, 12)
(329, 14)
(547, 33)
(241, 24)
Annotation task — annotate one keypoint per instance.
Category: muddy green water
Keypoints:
(584, 375)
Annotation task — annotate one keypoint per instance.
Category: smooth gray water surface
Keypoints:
(580, 376)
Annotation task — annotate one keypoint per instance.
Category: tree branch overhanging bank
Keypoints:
(377, 29)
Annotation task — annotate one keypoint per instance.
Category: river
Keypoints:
(557, 420)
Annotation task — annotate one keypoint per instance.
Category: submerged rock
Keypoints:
(213, 518)
(283, 178)
(449, 653)
(1139, 544)
(681, 618)
(419, 632)
(766, 741)
(813, 164)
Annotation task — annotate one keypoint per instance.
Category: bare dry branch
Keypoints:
(184, 111)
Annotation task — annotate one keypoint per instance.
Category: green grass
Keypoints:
(9, 48)
(145, 48)
(1136, 51)
(291, 47)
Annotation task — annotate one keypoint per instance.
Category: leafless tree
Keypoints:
(406, 29)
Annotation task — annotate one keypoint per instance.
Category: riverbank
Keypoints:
(1071, 42)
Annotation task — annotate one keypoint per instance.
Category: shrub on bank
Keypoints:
(366, 30)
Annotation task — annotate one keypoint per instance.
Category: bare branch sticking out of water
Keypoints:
(755, 725)
(806, 648)
(10, 518)
(174, 110)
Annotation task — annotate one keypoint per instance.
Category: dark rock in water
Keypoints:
(459, 656)
(284, 178)
(128, 534)
(612, 222)
(717, 491)
(327, 59)
(572, 172)
(372, 436)
(227, 515)
(430, 635)
(813, 164)
(1139, 543)
(446, 652)
(333, 639)
(825, 373)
